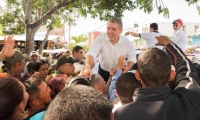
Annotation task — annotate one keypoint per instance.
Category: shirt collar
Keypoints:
(119, 41)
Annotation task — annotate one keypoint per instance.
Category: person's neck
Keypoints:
(34, 109)
(115, 41)
(11, 73)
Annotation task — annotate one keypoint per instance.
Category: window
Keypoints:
(196, 27)
(184, 28)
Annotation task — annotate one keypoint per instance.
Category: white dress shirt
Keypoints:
(109, 53)
(150, 39)
(180, 39)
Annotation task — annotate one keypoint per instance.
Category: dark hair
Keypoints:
(56, 84)
(79, 80)
(79, 102)
(11, 95)
(38, 63)
(32, 89)
(29, 66)
(94, 79)
(116, 20)
(4, 69)
(154, 67)
(76, 49)
(51, 70)
(154, 26)
(8, 66)
(125, 86)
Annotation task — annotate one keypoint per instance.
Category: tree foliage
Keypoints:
(28, 15)
(79, 38)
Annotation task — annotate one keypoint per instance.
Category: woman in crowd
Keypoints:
(13, 99)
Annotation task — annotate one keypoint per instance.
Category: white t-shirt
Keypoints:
(150, 39)
(180, 39)
(116, 106)
(109, 53)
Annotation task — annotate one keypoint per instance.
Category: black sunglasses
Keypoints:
(175, 25)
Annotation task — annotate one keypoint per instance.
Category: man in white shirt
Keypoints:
(148, 37)
(179, 38)
(109, 47)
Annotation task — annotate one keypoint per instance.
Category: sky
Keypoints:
(177, 9)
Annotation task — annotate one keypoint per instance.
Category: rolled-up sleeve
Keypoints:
(95, 47)
(131, 53)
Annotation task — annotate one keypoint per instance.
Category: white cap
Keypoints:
(34, 53)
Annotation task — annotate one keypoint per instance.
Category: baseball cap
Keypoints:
(14, 58)
(178, 21)
(64, 59)
(34, 53)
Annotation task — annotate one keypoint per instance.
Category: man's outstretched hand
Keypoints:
(163, 40)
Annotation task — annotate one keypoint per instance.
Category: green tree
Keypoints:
(79, 38)
(28, 15)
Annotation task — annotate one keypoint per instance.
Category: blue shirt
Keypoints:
(112, 88)
(38, 116)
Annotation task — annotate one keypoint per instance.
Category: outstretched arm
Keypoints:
(132, 33)
(186, 72)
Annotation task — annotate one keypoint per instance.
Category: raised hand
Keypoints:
(121, 62)
(163, 40)
(127, 33)
(112, 72)
(9, 43)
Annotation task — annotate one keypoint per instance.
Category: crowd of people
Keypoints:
(107, 83)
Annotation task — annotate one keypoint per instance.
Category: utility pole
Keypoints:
(69, 32)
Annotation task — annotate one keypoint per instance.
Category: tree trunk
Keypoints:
(29, 41)
(44, 41)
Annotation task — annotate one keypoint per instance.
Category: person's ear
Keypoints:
(137, 76)
(172, 75)
(35, 102)
(116, 92)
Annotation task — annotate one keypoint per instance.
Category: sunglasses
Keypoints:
(175, 25)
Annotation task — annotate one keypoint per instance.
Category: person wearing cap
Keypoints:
(35, 55)
(15, 65)
(65, 66)
(179, 38)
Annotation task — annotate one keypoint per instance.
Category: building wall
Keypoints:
(93, 35)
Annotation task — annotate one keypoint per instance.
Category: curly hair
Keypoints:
(79, 102)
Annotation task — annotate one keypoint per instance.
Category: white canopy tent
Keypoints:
(55, 51)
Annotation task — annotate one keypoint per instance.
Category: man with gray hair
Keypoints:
(98, 83)
(110, 46)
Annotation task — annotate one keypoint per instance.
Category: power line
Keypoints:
(100, 27)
